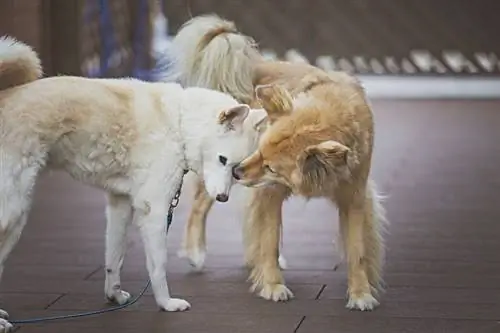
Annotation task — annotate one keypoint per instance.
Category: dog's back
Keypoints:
(87, 126)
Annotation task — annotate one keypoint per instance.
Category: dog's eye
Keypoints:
(268, 168)
(222, 160)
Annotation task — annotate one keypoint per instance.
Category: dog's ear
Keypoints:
(276, 100)
(258, 118)
(234, 117)
(323, 157)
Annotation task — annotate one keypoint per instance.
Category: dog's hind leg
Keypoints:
(352, 216)
(119, 217)
(10, 237)
(262, 240)
(17, 182)
(194, 242)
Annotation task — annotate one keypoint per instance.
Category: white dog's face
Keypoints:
(237, 137)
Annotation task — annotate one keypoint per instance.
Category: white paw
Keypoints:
(282, 262)
(174, 304)
(196, 257)
(275, 292)
(118, 296)
(364, 303)
(5, 326)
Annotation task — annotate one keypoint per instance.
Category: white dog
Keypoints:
(131, 138)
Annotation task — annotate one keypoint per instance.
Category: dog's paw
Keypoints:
(195, 257)
(275, 292)
(174, 304)
(282, 262)
(366, 302)
(118, 296)
(5, 326)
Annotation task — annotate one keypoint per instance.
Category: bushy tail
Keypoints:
(209, 52)
(375, 229)
(19, 63)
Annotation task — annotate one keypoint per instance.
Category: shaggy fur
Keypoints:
(318, 143)
(131, 138)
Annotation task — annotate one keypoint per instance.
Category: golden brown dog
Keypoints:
(317, 141)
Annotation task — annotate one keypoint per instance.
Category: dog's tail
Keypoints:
(19, 63)
(375, 228)
(211, 53)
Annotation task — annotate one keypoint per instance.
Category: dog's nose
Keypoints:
(222, 197)
(237, 171)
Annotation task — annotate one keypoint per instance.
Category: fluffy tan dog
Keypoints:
(318, 143)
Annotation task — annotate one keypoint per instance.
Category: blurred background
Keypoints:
(417, 39)
(436, 160)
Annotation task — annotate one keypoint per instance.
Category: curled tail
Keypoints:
(211, 53)
(19, 63)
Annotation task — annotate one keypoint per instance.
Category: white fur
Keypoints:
(13, 51)
(282, 262)
(197, 69)
(364, 303)
(135, 151)
(118, 216)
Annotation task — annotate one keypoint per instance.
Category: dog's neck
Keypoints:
(190, 139)
(195, 123)
(173, 101)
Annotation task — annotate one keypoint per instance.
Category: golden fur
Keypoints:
(318, 142)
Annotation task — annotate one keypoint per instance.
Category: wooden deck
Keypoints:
(439, 163)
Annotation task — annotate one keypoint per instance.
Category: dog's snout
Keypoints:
(237, 171)
(222, 197)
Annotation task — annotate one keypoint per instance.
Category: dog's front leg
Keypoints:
(262, 239)
(119, 217)
(150, 211)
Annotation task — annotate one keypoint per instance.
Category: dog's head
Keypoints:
(237, 132)
(296, 150)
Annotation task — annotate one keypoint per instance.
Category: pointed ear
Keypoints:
(234, 117)
(258, 119)
(276, 100)
(323, 157)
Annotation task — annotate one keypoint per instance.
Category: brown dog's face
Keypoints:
(261, 169)
(295, 150)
